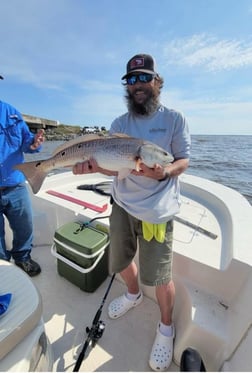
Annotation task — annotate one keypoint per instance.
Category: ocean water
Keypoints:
(225, 159)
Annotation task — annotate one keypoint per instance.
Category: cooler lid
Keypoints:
(81, 238)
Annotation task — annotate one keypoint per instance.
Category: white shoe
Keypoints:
(119, 306)
(162, 351)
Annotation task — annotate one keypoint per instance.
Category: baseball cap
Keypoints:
(141, 63)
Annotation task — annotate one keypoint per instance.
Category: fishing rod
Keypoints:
(96, 330)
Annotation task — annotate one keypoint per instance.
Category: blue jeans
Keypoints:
(15, 204)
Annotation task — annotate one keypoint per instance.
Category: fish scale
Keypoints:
(105, 152)
(119, 153)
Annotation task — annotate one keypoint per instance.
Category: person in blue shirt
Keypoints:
(15, 205)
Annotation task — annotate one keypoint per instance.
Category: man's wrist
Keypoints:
(166, 176)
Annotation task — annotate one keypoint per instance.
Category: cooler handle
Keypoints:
(74, 265)
(69, 248)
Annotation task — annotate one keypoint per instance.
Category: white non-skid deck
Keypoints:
(212, 278)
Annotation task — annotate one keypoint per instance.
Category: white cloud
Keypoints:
(76, 58)
(209, 52)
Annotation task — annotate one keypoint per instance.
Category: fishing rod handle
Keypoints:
(81, 356)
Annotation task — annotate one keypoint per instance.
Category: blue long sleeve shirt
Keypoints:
(15, 140)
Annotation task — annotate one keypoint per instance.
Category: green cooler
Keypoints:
(82, 255)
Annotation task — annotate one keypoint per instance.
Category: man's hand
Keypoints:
(87, 167)
(157, 172)
(38, 139)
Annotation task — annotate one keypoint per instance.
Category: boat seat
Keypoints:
(25, 309)
(201, 323)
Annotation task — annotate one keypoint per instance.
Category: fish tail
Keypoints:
(34, 173)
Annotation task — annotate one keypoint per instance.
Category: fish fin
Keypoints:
(34, 173)
(84, 138)
(118, 134)
(137, 166)
(124, 172)
(75, 141)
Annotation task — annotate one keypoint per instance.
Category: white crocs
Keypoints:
(162, 351)
(119, 306)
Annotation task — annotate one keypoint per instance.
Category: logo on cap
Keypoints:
(137, 62)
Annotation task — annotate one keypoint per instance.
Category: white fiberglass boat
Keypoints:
(212, 272)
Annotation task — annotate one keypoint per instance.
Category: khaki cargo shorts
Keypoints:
(155, 259)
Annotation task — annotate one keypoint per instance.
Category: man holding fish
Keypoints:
(145, 201)
(15, 205)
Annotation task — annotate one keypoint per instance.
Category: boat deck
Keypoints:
(126, 342)
(211, 270)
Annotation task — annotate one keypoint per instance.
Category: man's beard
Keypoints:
(146, 108)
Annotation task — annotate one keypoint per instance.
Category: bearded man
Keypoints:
(145, 202)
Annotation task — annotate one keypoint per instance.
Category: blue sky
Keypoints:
(64, 59)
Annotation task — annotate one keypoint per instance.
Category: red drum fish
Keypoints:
(118, 152)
